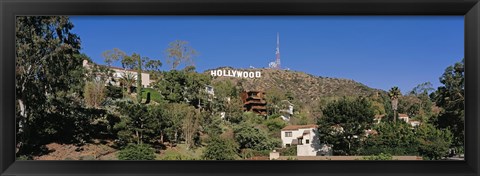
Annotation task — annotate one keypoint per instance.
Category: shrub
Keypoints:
(220, 149)
(381, 156)
(137, 152)
(248, 136)
(289, 151)
(177, 156)
(275, 124)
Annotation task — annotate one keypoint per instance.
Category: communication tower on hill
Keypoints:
(276, 64)
(277, 53)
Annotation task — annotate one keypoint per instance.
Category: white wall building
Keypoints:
(304, 137)
(404, 117)
(121, 72)
(413, 123)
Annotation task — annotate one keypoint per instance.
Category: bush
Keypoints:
(177, 156)
(289, 151)
(137, 152)
(248, 136)
(23, 157)
(154, 95)
(275, 124)
(433, 143)
(114, 92)
(381, 156)
(220, 149)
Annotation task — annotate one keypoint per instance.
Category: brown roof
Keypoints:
(402, 115)
(296, 127)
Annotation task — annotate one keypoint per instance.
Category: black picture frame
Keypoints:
(9, 9)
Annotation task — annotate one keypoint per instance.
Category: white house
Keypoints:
(413, 123)
(209, 90)
(304, 137)
(403, 117)
(121, 72)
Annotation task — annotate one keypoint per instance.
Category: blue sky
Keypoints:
(378, 51)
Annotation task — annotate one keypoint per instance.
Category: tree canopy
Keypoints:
(450, 97)
(344, 122)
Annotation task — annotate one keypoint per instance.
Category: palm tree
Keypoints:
(394, 93)
(128, 79)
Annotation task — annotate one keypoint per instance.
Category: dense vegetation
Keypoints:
(60, 101)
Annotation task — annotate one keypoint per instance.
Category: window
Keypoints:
(288, 145)
(288, 134)
(307, 141)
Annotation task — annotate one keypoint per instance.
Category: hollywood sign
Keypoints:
(236, 73)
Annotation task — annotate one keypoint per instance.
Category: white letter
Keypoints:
(245, 74)
(213, 73)
(239, 74)
(251, 74)
(258, 74)
(219, 72)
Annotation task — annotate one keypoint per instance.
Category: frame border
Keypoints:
(9, 9)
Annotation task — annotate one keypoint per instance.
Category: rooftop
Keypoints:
(296, 127)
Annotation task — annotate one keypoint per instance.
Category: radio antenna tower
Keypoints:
(277, 53)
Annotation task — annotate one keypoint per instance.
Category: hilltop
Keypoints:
(302, 86)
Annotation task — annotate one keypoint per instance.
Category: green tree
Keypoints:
(178, 114)
(184, 86)
(136, 124)
(220, 149)
(162, 121)
(139, 79)
(410, 104)
(394, 93)
(178, 52)
(48, 65)
(433, 143)
(274, 97)
(422, 108)
(127, 80)
(275, 125)
(451, 98)
(343, 124)
(391, 138)
(137, 152)
(248, 136)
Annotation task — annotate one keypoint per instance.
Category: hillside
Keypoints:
(304, 87)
